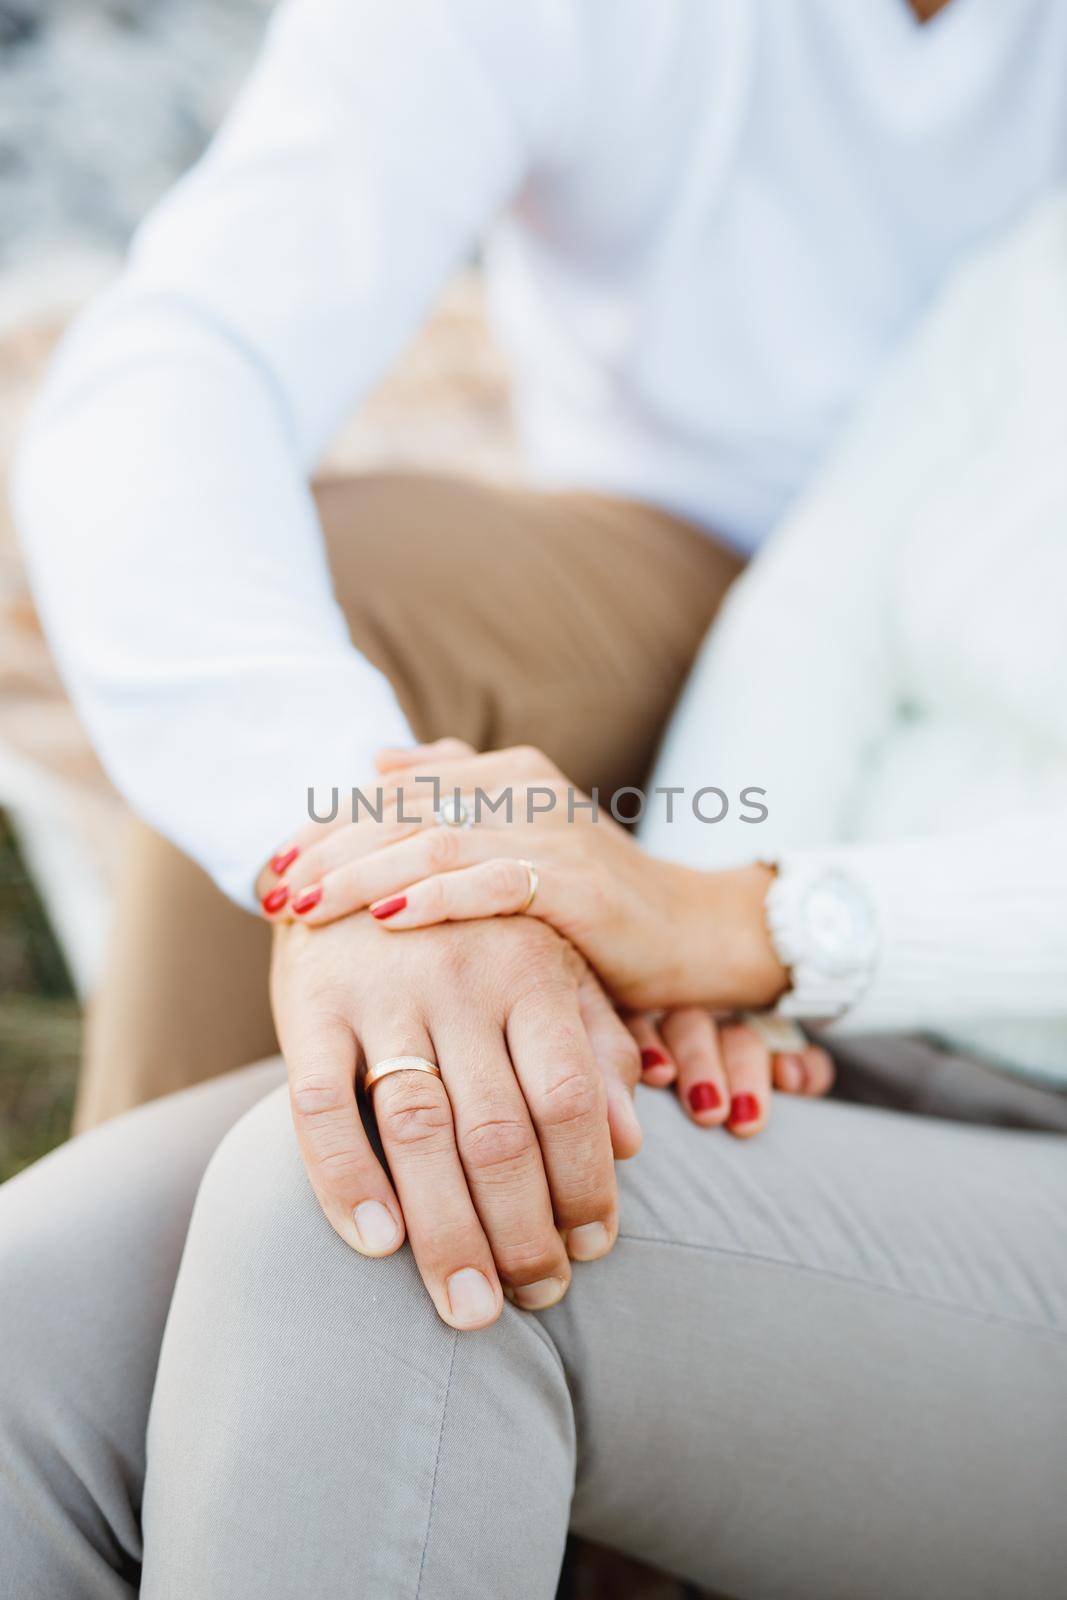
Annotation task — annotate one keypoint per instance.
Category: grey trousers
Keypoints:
(829, 1362)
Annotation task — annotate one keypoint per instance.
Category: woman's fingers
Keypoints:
(415, 1123)
(500, 887)
(693, 1038)
(440, 752)
(617, 1057)
(348, 1180)
(362, 877)
(658, 1067)
(747, 1063)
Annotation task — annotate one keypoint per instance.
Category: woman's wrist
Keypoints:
(730, 961)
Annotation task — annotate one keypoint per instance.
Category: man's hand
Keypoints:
(502, 1168)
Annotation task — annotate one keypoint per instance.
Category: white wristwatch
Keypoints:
(824, 929)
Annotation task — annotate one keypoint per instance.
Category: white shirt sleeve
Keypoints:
(800, 686)
(972, 925)
(161, 489)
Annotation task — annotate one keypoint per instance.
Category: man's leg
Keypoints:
(502, 616)
(184, 994)
(90, 1240)
(826, 1363)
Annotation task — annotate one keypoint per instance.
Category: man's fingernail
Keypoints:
(589, 1242)
(704, 1097)
(471, 1297)
(539, 1296)
(653, 1058)
(388, 908)
(283, 860)
(376, 1227)
(308, 900)
(744, 1108)
(790, 1073)
(274, 901)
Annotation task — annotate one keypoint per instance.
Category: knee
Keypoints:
(259, 1245)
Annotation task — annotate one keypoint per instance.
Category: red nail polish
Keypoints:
(653, 1058)
(705, 1097)
(744, 1108)
(275, 900)
(389, 908)
(308, 900)
(283, 861)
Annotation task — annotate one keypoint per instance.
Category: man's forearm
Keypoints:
(179, 567)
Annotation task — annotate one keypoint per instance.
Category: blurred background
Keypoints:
(102, 104)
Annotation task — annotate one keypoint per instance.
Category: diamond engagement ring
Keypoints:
(454, 812)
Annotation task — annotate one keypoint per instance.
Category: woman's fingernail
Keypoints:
(589, 1242)
(274, 901)
(283, 860)
(376, 1227)
(539, 1296)
(471, 1297)
(653, 1058)
(790, 1073)
(744, 1108)
(308, 900)
(388, 908)
(704, 1097)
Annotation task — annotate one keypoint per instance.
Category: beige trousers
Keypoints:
(502, 616)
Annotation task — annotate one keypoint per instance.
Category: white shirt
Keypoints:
(707, 222)
(893, 670)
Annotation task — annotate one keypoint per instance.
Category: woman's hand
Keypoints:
(724, 1071)
(659, 935)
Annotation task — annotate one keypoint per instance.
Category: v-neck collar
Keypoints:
(915, 74)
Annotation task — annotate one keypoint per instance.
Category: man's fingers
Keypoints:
(616, 1053)
(354, 1192)
(748, 1070)
(565, 1092)
(501, 1158)
(789, 1073)
(818, 1070)
(414, 1118)
(693, 1038)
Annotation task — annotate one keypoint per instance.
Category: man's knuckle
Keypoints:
(339, 1163)
(415, 1124)
(496, 1144)
(624, 1057)
(570, 1097)
(316, 1095)
(528, 1260)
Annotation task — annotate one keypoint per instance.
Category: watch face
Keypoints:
(838, 925)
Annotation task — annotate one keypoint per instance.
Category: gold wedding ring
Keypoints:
(531, 873)
(382, 1069)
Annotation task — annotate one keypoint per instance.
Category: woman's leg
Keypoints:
(503, 616)
(828, 1362)
(90, 1240)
